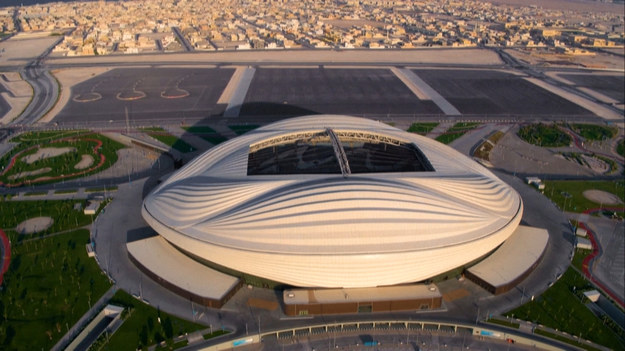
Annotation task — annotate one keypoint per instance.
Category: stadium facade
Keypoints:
(331, 201)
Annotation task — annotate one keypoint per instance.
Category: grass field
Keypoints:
(242, 128)
(561, 308)
(50, 284)
(170, 140)
(456, 131)
(594, 131)
(141, 327)
(568, 194)
(61, 211)
(546, 135)
(207, 133)
(59, 167)
(422, 128)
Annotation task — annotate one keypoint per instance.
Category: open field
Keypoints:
(50, 284)
(568, 194)
(62, 212)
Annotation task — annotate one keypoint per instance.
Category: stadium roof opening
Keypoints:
(335, 151)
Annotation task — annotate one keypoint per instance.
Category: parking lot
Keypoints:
(355, 91)
(163, 93)
(496, 92)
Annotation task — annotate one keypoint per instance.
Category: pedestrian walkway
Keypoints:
(84, 320)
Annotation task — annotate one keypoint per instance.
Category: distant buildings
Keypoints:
(102, 28)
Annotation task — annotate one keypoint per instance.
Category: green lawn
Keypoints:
(578, 258)
(243, 128)
(170, 140)
(422, 128)
(594, 131)
(50, 284)
(199, 129)
(568, 194)
(61, 211)
(141, 327)
(456, 131)
(560, 308)
(62, 165)
(546, 135)
(620, 147)
(207, 133)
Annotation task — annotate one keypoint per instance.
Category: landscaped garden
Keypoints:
(50, 284)
(46, 157)
(456, 131)
(170, 140)
(422, 128)
(546, 135)
(594, 131)
(561, 307)
(207, 133)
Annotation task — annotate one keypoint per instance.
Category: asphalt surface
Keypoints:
(293, 91)
(494, 92)
(609, 266)
(612, 86)
(45, 91)
(164, 93)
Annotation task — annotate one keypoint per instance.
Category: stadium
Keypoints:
(331, 201)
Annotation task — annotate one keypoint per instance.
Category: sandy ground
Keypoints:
(18, 95)
(550, 58)
(34, 225)
(85, 162)
(602, 197)
(417, 56)
(67, 79)
(29, 173)
(47, 152)
(21, 49)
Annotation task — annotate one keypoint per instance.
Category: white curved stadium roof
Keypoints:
(334, 201)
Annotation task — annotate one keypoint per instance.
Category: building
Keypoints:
(334, 202)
